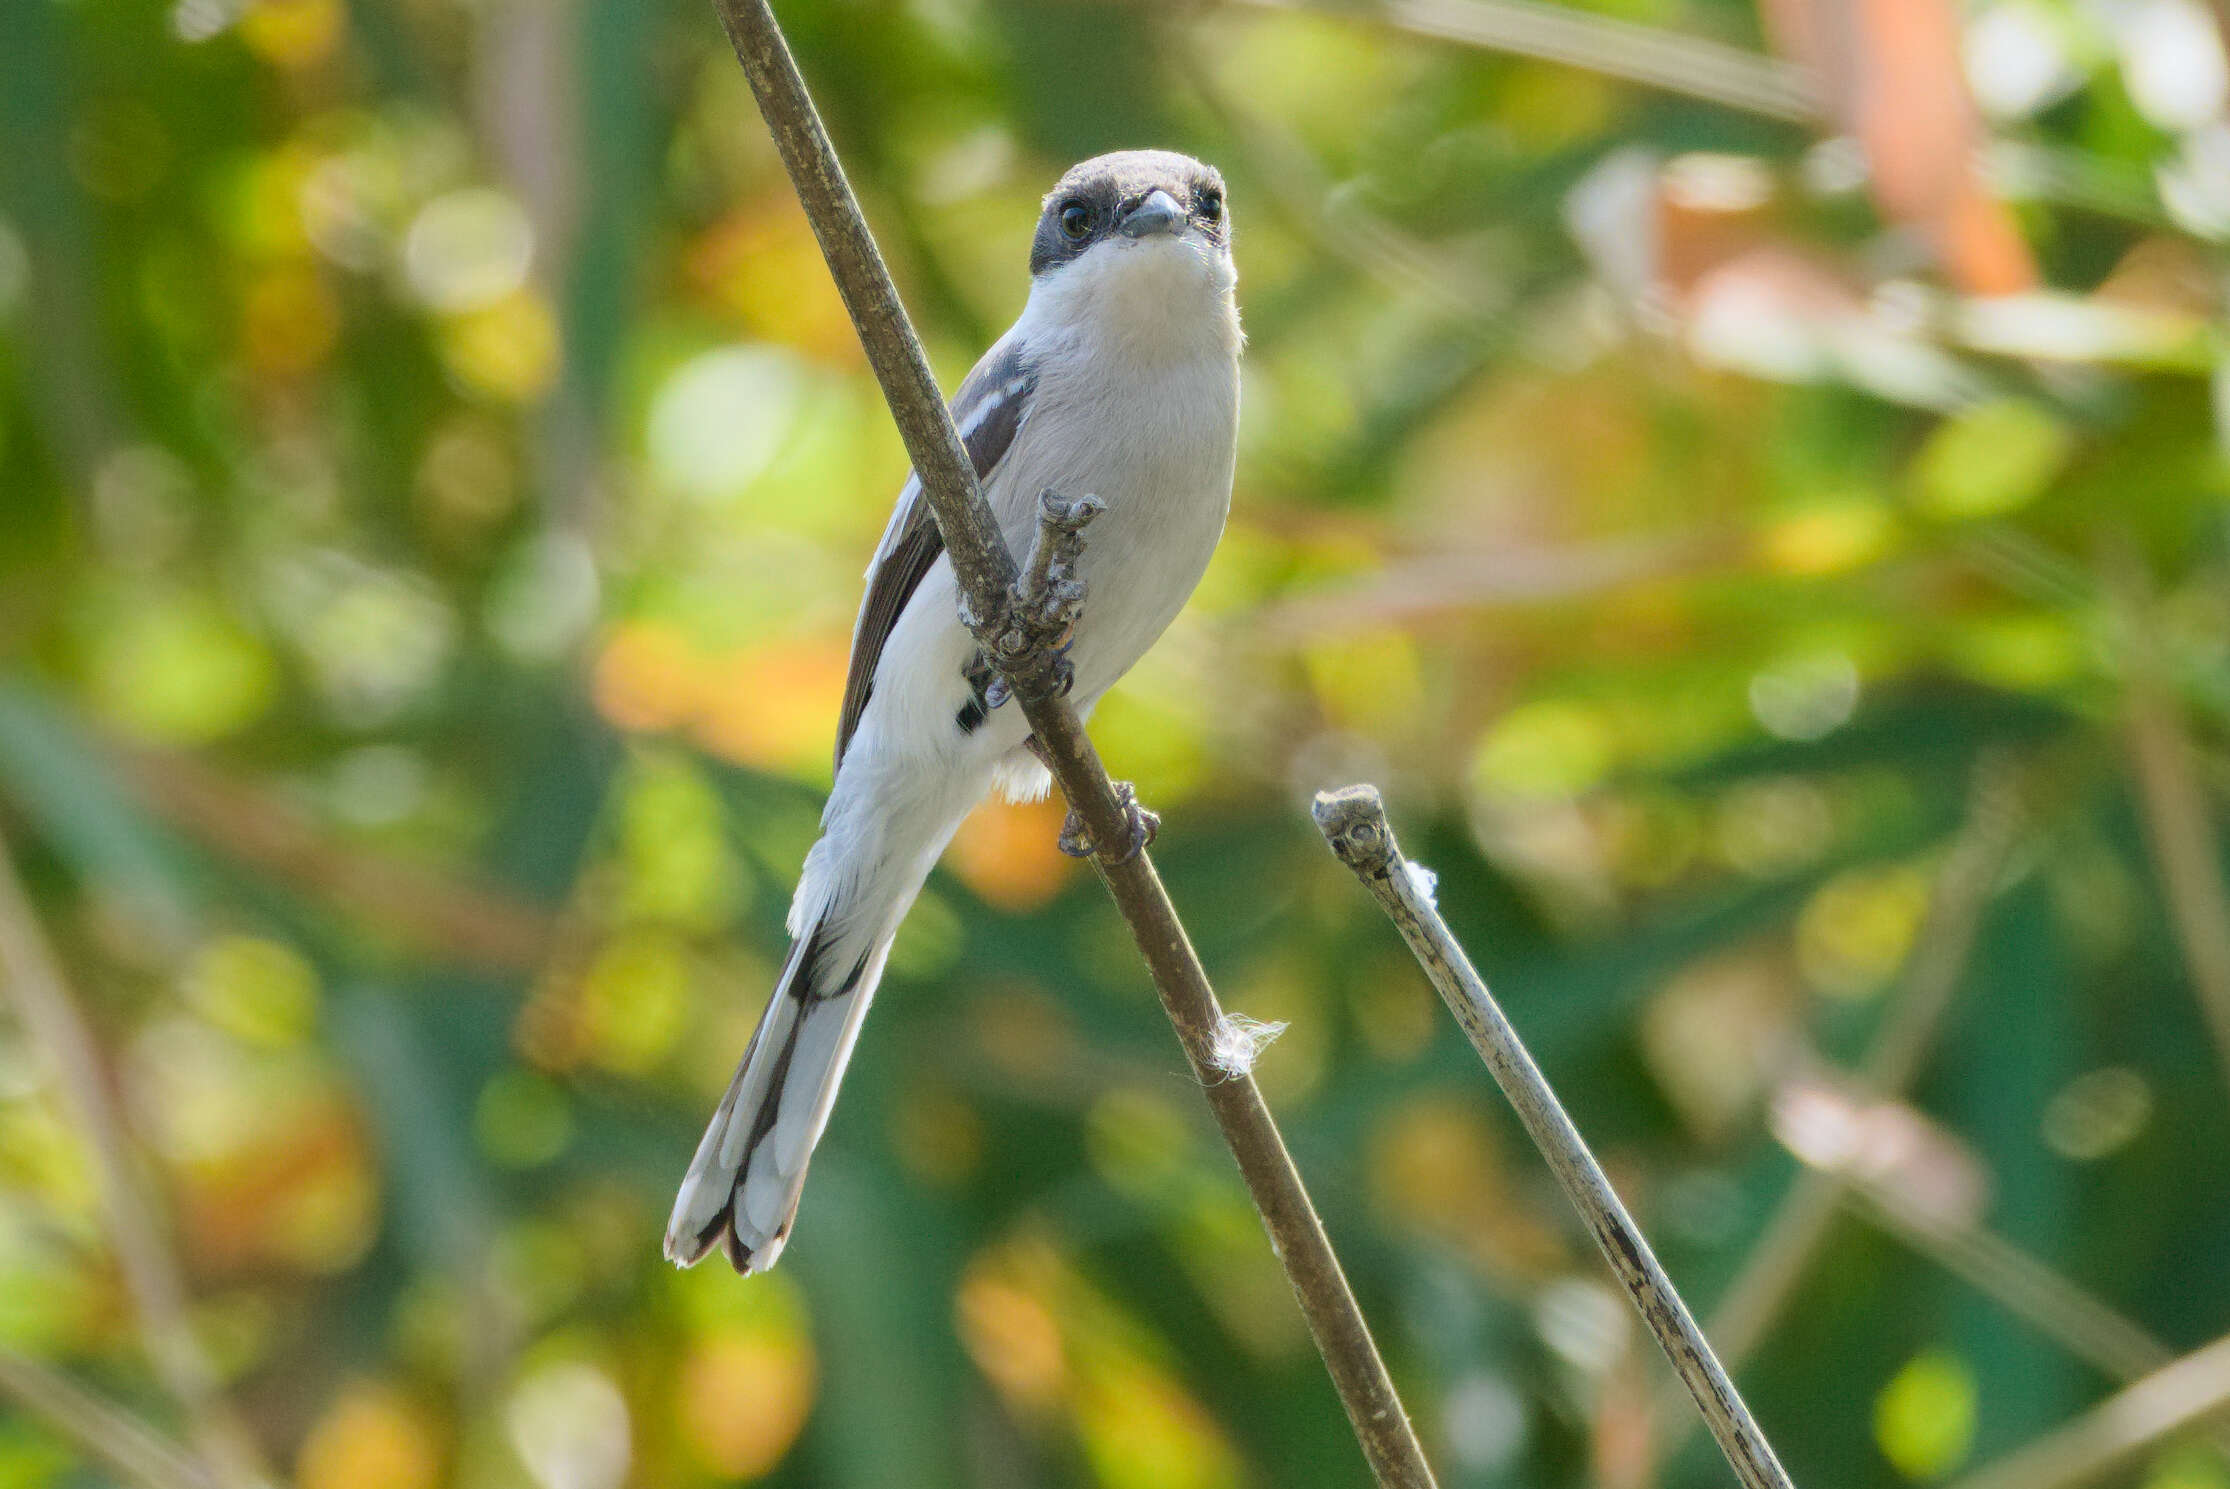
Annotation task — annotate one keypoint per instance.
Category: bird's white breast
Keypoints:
(1137, 403)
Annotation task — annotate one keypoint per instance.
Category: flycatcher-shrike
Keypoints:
(1120, 380)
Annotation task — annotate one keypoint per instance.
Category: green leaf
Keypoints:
(1991, 459)
(1924, 1418)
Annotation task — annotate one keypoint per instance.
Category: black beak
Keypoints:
(1159, 213)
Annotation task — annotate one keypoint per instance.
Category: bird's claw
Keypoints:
(1060, 676)
(1076, 838)
(1028, 641)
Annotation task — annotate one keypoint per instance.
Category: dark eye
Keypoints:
(1209, 204)
(1076, 220)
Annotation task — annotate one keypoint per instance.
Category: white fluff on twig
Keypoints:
(1239, 1041)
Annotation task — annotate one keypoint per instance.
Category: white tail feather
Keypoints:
(742, 1189)
(882, 831)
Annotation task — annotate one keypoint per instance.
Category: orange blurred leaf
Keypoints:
(742, 1401)
(775, 706)
(370, 1435)
(1894, 79)
(1010, 855)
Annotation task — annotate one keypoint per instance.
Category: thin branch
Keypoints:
(1354, 822)
(987, 574)
(2079, 1321)
(1667, 61)
(42, 999)
(104, 1432)
(2193, 1390)
(2178, 825)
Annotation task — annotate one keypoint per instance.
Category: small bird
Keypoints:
(1119, 380)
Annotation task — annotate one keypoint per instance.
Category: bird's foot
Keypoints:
(1026, 646)
(1061, 676)
(1076, 838)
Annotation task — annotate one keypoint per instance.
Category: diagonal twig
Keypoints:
(987, 575)
(103, 1431)
(1883, 1182)
(34, 981)
(1354, 822)
(2192, 1391)
(1731, 76)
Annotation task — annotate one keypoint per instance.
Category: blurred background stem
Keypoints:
(2112, 1433)
(104, 1431)
(2179, 823)
(1648, 55)
(34, 983)
(1799, 1225)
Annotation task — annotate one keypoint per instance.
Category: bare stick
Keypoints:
(34, 982)
(987, 574)
(1366, 241)
(2185, 1394)
(1354, 822)
(104, 1432)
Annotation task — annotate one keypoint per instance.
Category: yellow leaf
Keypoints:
(293, 34)
(370, 1435)
(507, 351)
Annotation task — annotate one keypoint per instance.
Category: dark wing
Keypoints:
(989, 408)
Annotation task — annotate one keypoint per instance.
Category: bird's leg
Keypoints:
(1026, 646)
(1076, 838)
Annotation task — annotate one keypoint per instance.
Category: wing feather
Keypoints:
(989, 408)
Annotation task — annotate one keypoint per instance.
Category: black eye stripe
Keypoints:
(1108, 195)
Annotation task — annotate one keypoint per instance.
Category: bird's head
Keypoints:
(1138, 232)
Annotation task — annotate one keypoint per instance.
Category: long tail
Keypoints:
(742, 1189)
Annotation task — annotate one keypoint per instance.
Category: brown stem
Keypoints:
(476, 924)
(1655, 58)
(987, 574)
(2077, 1320)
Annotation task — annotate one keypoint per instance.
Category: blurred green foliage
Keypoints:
(436, 474)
